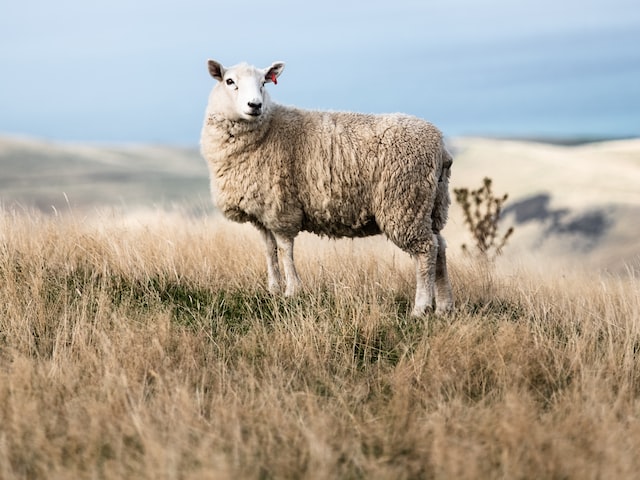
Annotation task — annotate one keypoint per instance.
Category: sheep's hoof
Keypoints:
(292, 290)
(418, 312)
(440, 310)
(444, 308)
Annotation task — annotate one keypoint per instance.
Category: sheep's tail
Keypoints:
(442, 200)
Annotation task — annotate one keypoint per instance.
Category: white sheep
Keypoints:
(332, 173)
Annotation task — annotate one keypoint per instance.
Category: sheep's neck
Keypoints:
(235, 128)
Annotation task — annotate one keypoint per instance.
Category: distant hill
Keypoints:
(36, 173)
(566, 202)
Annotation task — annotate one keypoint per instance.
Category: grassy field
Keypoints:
(150, 349)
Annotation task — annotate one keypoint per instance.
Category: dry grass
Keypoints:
(151, 350)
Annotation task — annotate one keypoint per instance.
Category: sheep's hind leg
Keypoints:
(273, 268)
(290, 273)
(444, 294)
(425, 279)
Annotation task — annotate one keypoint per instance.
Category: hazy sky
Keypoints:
(123, 71)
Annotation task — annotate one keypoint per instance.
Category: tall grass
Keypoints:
(151, 349)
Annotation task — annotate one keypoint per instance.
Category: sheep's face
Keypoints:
(240, 93)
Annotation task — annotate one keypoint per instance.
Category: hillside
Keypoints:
(567, 203)
(40, 174)
(148, 347)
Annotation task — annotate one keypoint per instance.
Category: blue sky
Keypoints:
(121, 71)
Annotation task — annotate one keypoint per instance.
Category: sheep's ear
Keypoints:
(272, 73)
(216, 70)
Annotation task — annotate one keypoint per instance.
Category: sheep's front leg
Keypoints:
(290, 273)
(273, 268)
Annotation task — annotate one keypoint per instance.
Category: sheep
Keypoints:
(337, 174)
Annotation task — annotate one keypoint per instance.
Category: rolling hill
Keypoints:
(567, 202)
(47, 176)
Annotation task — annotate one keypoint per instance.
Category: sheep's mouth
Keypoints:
(254, 112)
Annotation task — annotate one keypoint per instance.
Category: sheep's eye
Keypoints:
(230, 82)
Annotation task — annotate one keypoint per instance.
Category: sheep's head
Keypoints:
(240, 93)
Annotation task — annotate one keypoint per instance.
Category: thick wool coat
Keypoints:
(332, 173)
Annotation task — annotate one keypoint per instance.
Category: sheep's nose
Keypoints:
(255, 105)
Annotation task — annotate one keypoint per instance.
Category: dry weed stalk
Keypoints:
(481, 214)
